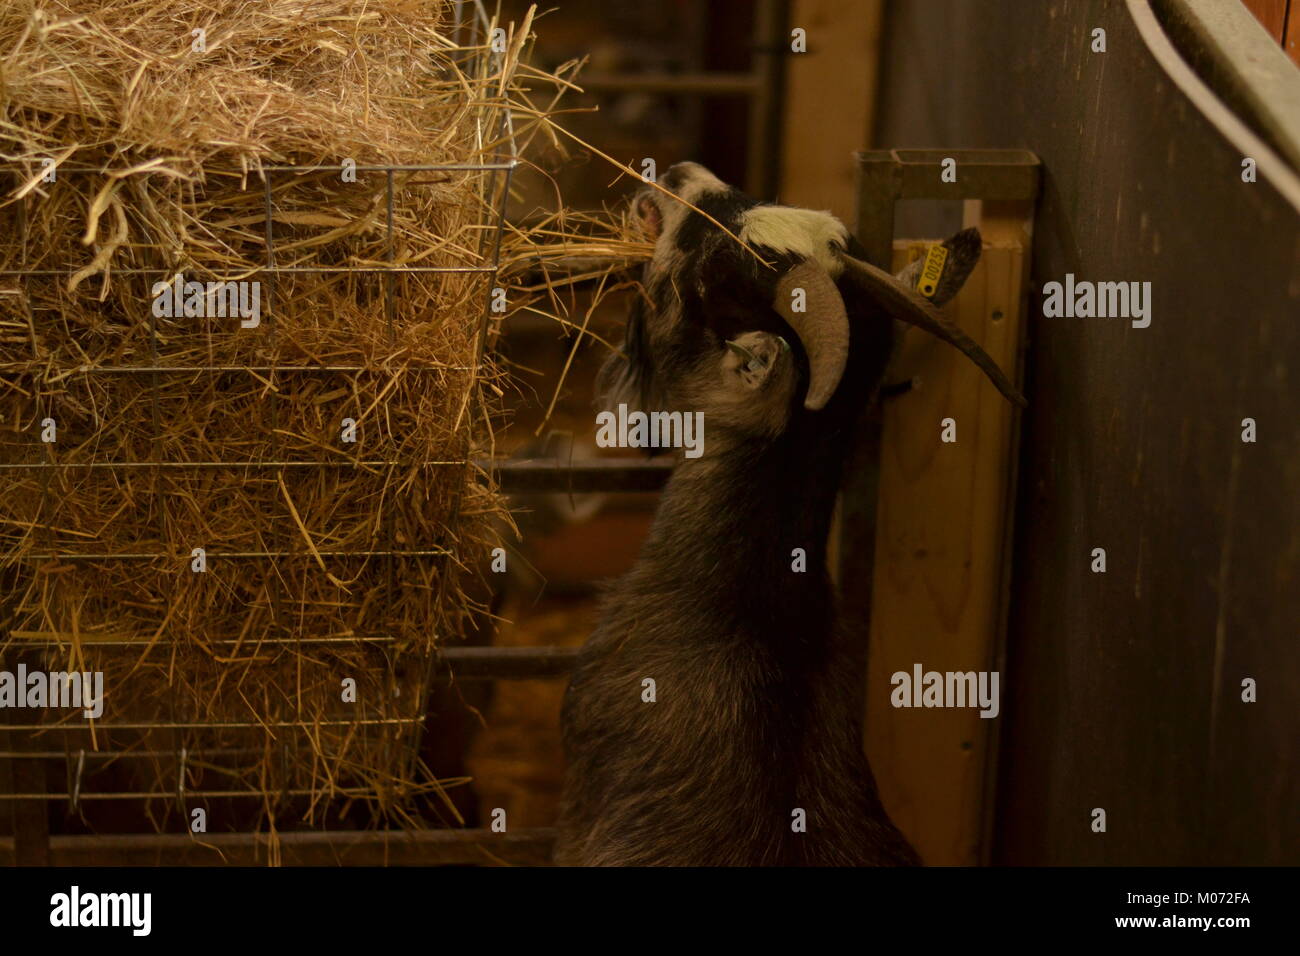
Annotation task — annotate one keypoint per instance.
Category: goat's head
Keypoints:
(798, 282)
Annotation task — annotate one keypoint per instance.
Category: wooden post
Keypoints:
(830, 101)
(924, 546)
(940, 573)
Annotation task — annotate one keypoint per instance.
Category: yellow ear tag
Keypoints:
(932, 271)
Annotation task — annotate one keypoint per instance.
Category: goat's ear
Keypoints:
(902, 303)
(963, 255)
(964, 250)
(807, 299)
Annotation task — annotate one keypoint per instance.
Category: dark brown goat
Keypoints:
(715, 717)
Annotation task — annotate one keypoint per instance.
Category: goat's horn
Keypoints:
(823, 327)
(904, 304)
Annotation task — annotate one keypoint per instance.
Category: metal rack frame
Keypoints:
(26, 795)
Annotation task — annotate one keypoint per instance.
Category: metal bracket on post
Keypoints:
(888, 175)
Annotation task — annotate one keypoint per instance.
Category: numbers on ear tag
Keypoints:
(928, 282)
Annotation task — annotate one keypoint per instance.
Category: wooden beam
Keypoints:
(1291, 41)
(830, 102)
(1271, 14)
(706, 84)
(939, 573)
(312, 848)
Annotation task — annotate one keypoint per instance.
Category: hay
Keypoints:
(569, 262)
(230, 680)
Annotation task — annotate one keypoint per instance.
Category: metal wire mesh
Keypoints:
(81, 745)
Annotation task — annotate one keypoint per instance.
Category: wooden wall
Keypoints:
(830, 98)
(1281, 18)
(1123, 689)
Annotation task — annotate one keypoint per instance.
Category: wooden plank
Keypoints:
(830, 102)
(939, 577)
(1124, 688)
(528, 847)
(1272, 15)
(1291, 41)
(675, 84)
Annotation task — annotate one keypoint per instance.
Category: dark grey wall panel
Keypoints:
(1123, 689)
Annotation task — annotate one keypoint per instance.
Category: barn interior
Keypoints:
(1124, 553)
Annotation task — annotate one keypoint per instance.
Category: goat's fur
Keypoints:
(801, 232)
(757, 710)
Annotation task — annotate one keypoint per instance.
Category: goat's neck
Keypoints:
(750, 502)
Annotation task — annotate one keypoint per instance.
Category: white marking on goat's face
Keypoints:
(807, 233)
(691, 182)
(660, 215)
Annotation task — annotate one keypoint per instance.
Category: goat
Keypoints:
(748, 751)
